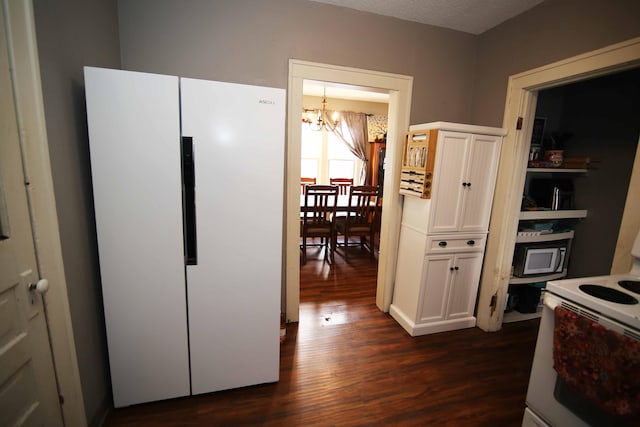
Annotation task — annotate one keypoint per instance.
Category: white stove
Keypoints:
(614, 302)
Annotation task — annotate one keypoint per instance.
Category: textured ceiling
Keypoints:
(470, 16)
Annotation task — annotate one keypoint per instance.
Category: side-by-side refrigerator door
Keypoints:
(134, 134)
(234, 287)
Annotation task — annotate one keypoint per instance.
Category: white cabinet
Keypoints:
(444, 230)
(449, 289)
(465, 174)
(436, 288)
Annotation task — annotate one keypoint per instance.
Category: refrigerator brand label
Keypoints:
(266, 101)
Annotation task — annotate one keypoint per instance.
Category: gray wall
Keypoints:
(71, 34)
(552, 31)
(603, 117)
(251, 41)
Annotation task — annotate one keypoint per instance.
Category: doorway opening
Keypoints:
(343, 143)
(398, 88)
(522, 94)
(339, 289)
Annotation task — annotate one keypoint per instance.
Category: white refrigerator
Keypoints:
(188, 195)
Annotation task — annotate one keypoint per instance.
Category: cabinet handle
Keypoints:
(455, 268)
(451, 268)
(471, 242)
(464, 184)
(468, 184)
(442, 244)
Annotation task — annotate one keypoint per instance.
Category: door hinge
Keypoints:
(61, 398)
(493, 303)
(519, 123)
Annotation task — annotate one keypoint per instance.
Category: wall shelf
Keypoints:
(535, 279)
(549, 237)
(555, 170)
(516, 316)
(528, 215)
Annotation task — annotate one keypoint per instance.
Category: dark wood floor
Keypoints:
(348, 364)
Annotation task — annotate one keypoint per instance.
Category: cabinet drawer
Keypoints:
(456, 243)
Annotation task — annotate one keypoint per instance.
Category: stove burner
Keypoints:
(608, 294)
(631, 285)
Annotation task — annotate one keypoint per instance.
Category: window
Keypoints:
(323, 155)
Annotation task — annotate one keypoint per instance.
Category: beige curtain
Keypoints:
(351, 129)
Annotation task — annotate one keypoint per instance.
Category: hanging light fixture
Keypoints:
(320, 121)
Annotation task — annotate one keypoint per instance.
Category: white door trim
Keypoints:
(521, 102)
(400, 88)
(23, 52)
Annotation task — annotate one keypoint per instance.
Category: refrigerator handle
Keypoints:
(189, 201)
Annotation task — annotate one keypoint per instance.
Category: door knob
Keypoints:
(41, 286)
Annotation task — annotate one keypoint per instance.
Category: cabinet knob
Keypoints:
(455, 268)
(451, 268)
(471, 242)
(442, 244)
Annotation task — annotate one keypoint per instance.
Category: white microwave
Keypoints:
(531, 259)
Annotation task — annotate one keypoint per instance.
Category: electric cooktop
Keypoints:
(614, 296)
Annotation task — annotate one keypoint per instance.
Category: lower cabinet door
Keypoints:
(449, 286)
(436, 278)
(464, 285)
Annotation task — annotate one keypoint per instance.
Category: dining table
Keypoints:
(342, 204)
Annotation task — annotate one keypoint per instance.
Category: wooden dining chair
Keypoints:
(343, 184)
(317, 217)
(361, 219)
(304, 182)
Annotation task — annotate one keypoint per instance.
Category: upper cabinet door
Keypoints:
(481, 172)
(465, 175)
(450, 174)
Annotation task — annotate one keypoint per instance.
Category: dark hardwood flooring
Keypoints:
(348, 364)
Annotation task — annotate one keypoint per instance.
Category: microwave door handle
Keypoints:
(559, 261)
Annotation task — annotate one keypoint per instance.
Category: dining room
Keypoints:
(343, 147)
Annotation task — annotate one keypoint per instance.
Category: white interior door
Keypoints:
(28, 392)
(235, 286)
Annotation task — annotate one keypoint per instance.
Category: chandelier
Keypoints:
(321, 120)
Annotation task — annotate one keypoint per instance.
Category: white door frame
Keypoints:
(522, 94)
(399, 88)
(23, 52)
